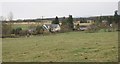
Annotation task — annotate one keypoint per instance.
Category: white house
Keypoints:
(52, 27)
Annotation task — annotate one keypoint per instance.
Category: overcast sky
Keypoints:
(24, 10)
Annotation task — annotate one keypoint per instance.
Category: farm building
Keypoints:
(52, 27)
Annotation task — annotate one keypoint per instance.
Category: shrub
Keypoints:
(17, 30)
(70, 22)
(23, 33)
(56, 21)
(104, 26)
(39, 30)
(6, 29)
(65, 28)
(92, 28)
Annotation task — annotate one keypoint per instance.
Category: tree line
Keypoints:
(67, 24)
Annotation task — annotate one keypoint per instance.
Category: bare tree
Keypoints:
(10, 16)
(2, 18)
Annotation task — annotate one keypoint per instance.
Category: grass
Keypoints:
(24, 26)
(63, 47)
(19, 25)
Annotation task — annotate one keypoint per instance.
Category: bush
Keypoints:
(39, 30)
(23, 33)
(65, 28)
(6, 29)
(92, 28)
(17, 31)
(32, 31)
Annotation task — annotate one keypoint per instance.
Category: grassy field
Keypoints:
(24, 26)
(63, 47)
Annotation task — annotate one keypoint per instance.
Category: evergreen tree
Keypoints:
(116, 17)
(64, 26)
(64, 21)
(70, 22)
(56, 21)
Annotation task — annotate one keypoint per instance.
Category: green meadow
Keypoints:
(62, 47)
